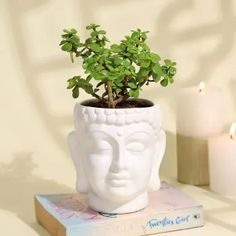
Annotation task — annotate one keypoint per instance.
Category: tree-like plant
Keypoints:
(120, 70)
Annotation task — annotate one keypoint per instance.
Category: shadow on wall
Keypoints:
(168, 39)
(224, 29)
(18, 186)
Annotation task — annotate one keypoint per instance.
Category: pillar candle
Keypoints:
(199, 115)
(222, 162)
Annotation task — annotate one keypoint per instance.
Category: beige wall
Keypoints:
(37, 109)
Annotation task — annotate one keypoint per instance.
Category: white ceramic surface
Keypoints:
(117, 155)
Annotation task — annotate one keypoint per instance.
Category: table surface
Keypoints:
(220, 213)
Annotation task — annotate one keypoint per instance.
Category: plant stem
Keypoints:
(121, 99)
(98, 97)
(125, 83)
(111, 103)
(71, 57)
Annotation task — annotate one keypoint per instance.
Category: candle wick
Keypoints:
(232, 136)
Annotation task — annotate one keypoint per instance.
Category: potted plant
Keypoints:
(118, 142)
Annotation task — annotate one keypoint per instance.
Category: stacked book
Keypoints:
(69, 215)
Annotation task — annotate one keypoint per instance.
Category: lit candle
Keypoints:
(199, 116)
(222, 162)
(200, 111)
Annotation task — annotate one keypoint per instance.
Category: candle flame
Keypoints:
(232, 130)
(201, 87)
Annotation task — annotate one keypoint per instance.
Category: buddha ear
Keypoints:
(154, 182)
(77, 157)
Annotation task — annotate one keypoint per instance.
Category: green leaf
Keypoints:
(167, 62)
(156, 77)
(96, 75)
(88, 41)
(132, 85)
(157, 69)
(65, 36)
(102, 32)
(73, 31)
(117, 61)
(95, 47)
(62, 42)
(118, 90)
(143, 72)
(134, 93)
(75, 41)
(115, 48)
(94, 33)
(75, 92)
(71, 83)
(110, 68)
(66, 31)
(155, 58)
(118, 83)
(126, 64)
(92, 26)
(67, 47)
(88, 78)
(164, 82)
(99, 84)
(171, 80)
(135, 35)
(127, 72)
(145, 63)
(88, 89)
(172, 71)
(164, 69)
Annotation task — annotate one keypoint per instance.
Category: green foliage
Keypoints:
(121, 70)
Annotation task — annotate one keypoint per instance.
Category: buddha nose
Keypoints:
(119, 160)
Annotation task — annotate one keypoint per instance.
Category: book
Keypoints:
(169, 209)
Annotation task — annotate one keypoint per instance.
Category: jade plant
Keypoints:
(115, 72)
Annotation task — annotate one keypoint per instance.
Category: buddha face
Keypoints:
(117, 154)
(119, 160)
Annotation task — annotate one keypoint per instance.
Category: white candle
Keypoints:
(222, 162)
(200, 114)
(200, 111)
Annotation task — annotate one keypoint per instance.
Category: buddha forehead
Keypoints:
(121, 131)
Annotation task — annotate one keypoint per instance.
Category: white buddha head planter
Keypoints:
(117, 155)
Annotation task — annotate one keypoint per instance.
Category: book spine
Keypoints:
(143, 225)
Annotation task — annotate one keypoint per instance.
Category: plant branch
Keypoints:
(121, 99)
(125, 83)
(97, 96)
(110, 95)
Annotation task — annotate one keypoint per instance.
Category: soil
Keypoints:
(130, 103)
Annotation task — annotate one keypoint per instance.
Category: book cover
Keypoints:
(68, 215)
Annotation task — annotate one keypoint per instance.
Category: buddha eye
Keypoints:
(135, 147)
(102, 146)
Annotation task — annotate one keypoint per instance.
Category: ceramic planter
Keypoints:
(117, 155)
